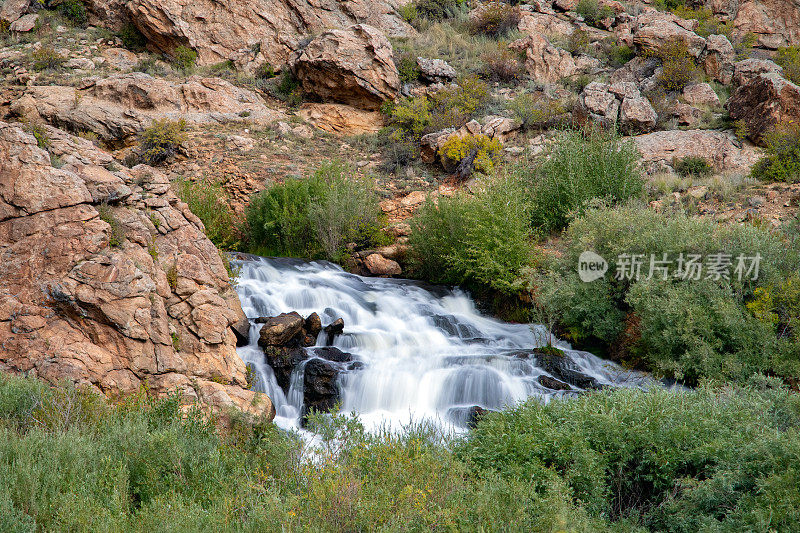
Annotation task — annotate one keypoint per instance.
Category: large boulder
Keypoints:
(775, 23)
(249, 33)
(764, 104)
(722, 150)
(341, 119)
(123, 105)
(748, 69)
(718, 58)
(619, 103)
(11, 10)
(654, 29)
(108, 279)
(548, 63)
(353, 66)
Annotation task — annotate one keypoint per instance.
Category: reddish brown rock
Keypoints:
(108, 280)
(341, 119)
(661, 148)
(546, 62)
(764, 103)
(353, 66)
(378, 265)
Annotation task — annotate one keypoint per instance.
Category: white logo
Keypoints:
(591, 266)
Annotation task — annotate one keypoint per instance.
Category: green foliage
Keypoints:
(495, 19)
(316, 217)
(483, 151)
(210, 203)
(789, 58)
(781, 160)
(536, 111)
(265, 72)
(40, 134)
(152, 66)
(480, 240)
(161, 140)
(580, 166)
(184, 58)
(437, 10)
(707, 23)
(454, 106)
(707, 460)
(408, 12)
(46, 58)
(592, 12)
(72, 10)
(619, 54)
(689, 329)
(503, 65)
(288, 89)
(693, 166)
(678, 67)
(116, 237)
(132, 38)
(578, 42)
(407, 67)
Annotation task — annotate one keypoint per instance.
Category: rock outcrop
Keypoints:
(546, 62)
(353, 66)
(619, 103)
(341, 119)
(764, 104)
(249, 33)
(654, 29)
(109, 280)
(122, 105)
(722, 150)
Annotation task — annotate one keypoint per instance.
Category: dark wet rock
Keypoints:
(241, 329)
(313, 324)
(552, 383)
(283, 361)
(320, 390)
(332, 353)
(468, 416)
(561, 367)
(333, 329)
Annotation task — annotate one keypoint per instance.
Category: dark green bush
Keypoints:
(693, 166)
(781, 160)
(184, 58)
(438, 10)
(707, 460)
(592, 12)
(579, 167)
(407, 67)
(161, 140)
(536, 111)
(46, 58)
(689, 329)
(209, 202)
(316, 217)
(789, 58)
(72, 10)
(480, 240)
(132, 38)
(678, 67)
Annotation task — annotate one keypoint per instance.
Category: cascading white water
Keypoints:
(427, 353)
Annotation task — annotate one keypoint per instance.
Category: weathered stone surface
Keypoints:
(700, 94)
(764, 103)
(279, 330)
(24, 24)
(123, 105)
(721, 150)
(341, 119)
(775, 23)
(544, 23)
(749, 69)
(436, 70)
(655, 29)
(156, 307)
(120, 58)
(637, 115)
(718, 58)
(11, 10)
(353, 66)
(378, 265)
(548, 63)
(249, 33)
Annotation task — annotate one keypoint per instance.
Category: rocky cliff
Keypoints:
(108, 278)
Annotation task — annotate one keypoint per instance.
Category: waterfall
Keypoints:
(426, 353)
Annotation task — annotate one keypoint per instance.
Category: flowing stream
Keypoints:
(425, 353)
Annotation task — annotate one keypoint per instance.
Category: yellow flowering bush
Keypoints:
(486, 151)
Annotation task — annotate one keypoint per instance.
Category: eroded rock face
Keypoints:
(341, 119)
(548, 63)
(248, 33)
(353, 66)
(764, 103)
(775, 23)
(747, 70)
(659, 149)
(122, 105)
(717, 59)
(12, 10)
(655, 29)
(109, 280)
(619, 103)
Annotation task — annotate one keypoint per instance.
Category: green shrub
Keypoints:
(781, 160)
(288, 89)
(480, 240)
(592, 12)
(789, 58)
(116, 237)
(132, 38)
(536, 111)
(407, 67)
(72, 10)
(45, 58)
(578, 42)
(152, 66)
(620, 54)
(692, 166)
(454, 106)
(184, 58)
(684, 328)
(478, 152)
(437, 10)
(316, 217)
(708, 24)
(495, 19)
(579, 167)
(678, 67)
(706, 460)
(161, 140)
(408, 12)
(209, 202)
(39, 133)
